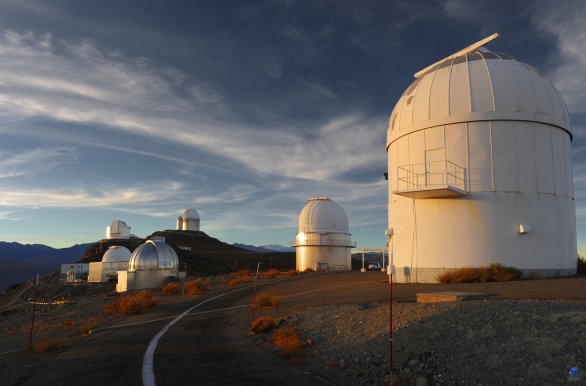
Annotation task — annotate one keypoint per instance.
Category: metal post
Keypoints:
(254, 294)
(30, 339)
(363, 269)
(391, 326)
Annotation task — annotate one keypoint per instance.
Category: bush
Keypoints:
(291, 272)
(68, 323)
(262, 325)
(267, 301)
(88, 326)
(235, 280)
(287, 342)
(196, 287)
(132, 304)
(50, 343)
(581, 268)
(172, 289)
(494, 272)
(273, 273)
(308, 270)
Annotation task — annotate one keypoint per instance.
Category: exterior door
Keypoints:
(435, 167)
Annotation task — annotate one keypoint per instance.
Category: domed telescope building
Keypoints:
(480, 170)
(151, 265)
(324, 239)
(115, 259)
(189, 221)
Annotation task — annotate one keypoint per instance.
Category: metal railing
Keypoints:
(431, 175)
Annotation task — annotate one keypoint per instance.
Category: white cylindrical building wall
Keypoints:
(480, 171)
(179, 223)
(190, 220)
(324, 239)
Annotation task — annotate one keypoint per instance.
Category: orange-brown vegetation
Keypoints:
(494, 272)
(273, 273)
(68, 323)
(172, 289)
(262, 325)
(50, 343)
(287, 342)
(291, 272)
(240, 277)
(308, 270)
(267, 301)
(132, 304)
(196, 287)
(88, 326)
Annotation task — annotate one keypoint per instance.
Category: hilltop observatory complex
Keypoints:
(324, 240)
(189, 221)
(480, 170)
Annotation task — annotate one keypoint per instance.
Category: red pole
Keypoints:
(391, 322)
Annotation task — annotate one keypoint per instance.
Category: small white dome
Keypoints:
(323, 215)
(190, 214)
(116, 254)
(153, 255)
(477, 86)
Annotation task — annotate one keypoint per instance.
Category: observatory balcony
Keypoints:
(434, 179)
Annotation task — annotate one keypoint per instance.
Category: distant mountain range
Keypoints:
(265, 248)
(20, 262)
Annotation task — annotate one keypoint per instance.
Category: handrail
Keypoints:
(428, 175)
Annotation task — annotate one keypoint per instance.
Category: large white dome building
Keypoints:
(480, 170)
(115, 259)
(151, 265)
(324, 239)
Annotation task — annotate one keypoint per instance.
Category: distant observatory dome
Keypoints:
(322, 214)
(191, 220)
(323, 240)
(116, 254)
(153, 254)
(480, 170)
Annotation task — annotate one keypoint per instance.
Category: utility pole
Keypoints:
(30, 339)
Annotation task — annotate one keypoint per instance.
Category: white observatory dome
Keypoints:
(190, 214)
(153, 254)
(116, 254)
(480, 170)
(322, 215)
(477, 86)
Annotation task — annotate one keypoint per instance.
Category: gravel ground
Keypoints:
(489, 342)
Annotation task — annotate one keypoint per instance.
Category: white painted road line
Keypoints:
(148, 374)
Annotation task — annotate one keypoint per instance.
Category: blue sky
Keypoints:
(135, 110)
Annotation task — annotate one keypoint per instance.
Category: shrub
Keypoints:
(132, 304)
(262, 325)
(494, 272)
(267, 301)
(581, 268)
(291, 272)
(238, 280)
(68, 323)
(287, 342)
(308, 270)
(172, 289)
(273, 273)
(88, 326)
(196, 287)
(241, 273)
(50, 343)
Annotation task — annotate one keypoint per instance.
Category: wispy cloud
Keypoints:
(35, 161)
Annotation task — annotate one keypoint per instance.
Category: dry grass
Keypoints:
(132, 304)
(287, 342)
(235, 280)
(291, 272)
(262, 325)
(273, 273)
(172, 289)
(494, 272)
(308, 270)
(267, 301)
(196, 287)
(88, 326)
(69, 323)
(50, 343)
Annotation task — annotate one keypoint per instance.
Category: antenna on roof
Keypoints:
(467, 50)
